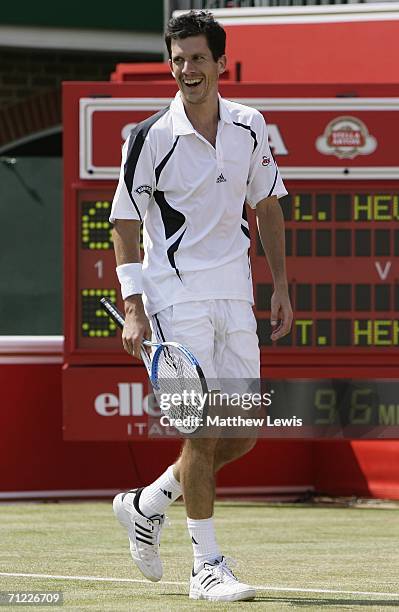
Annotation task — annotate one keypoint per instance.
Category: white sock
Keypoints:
(203, 538)
(155, 498)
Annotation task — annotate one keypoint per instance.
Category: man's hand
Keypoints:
(136, 326)
(281, 313)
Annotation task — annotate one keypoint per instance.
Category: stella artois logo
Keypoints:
(346, 137)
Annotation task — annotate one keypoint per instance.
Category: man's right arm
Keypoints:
(126, 237)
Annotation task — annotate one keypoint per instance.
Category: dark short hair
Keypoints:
(195, 23)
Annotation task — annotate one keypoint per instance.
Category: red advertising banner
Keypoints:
(111, 404)
(106, 403)
(321, 137)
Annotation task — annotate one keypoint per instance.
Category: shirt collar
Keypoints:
(181, 123)
(224, 112)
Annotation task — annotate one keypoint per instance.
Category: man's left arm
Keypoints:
(270, 221)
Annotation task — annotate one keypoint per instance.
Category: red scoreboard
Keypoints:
(338, 157)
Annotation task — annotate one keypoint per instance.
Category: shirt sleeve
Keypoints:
(136, 179)
(264, 179)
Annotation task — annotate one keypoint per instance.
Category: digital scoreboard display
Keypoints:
(340, 247)
(95, 227)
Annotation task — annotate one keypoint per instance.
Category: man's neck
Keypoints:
(201, 114)
(204, 118)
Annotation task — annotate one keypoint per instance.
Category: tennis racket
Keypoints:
(174, 372)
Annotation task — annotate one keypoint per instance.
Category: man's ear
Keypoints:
(171, 68)
(222, 61)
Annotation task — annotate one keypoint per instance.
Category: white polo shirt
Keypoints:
(190, 197)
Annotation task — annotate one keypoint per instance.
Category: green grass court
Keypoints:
(292, 551)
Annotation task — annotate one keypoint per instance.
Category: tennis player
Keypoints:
(186, 174)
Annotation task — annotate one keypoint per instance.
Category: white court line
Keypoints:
(137, 580)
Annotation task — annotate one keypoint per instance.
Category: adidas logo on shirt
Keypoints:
(221, 179)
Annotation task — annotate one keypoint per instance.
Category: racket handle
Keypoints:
(113, 312)
(117, 316)
(119, 319)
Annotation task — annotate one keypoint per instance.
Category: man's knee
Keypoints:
(230, 449)
(246, 445)
(249, 444)
(200, 446)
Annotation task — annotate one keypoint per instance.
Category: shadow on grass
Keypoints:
(314, 601)
(306, 601)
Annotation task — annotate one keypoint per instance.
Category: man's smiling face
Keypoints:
(195, 70)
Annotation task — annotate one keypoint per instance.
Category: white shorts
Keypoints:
(220, 333)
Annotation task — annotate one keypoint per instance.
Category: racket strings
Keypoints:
(178, 379)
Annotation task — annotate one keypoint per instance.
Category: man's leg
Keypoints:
(196, 469)
(211, 577)
(227, 450)
(201, 459)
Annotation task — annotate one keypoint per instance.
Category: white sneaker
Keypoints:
(216, 582)
(144, 533)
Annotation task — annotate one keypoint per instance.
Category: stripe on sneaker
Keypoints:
(143, 528)
(144, 541)
(205, 586)
(208, 577)
(143, 533)
(210, 584)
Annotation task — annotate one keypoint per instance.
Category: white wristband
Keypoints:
(130, 276)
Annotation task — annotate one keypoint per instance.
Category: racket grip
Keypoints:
(113, 312)
(117, 316)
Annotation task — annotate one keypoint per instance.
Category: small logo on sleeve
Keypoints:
(221, 179)
(265, 160)
(144, 189)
